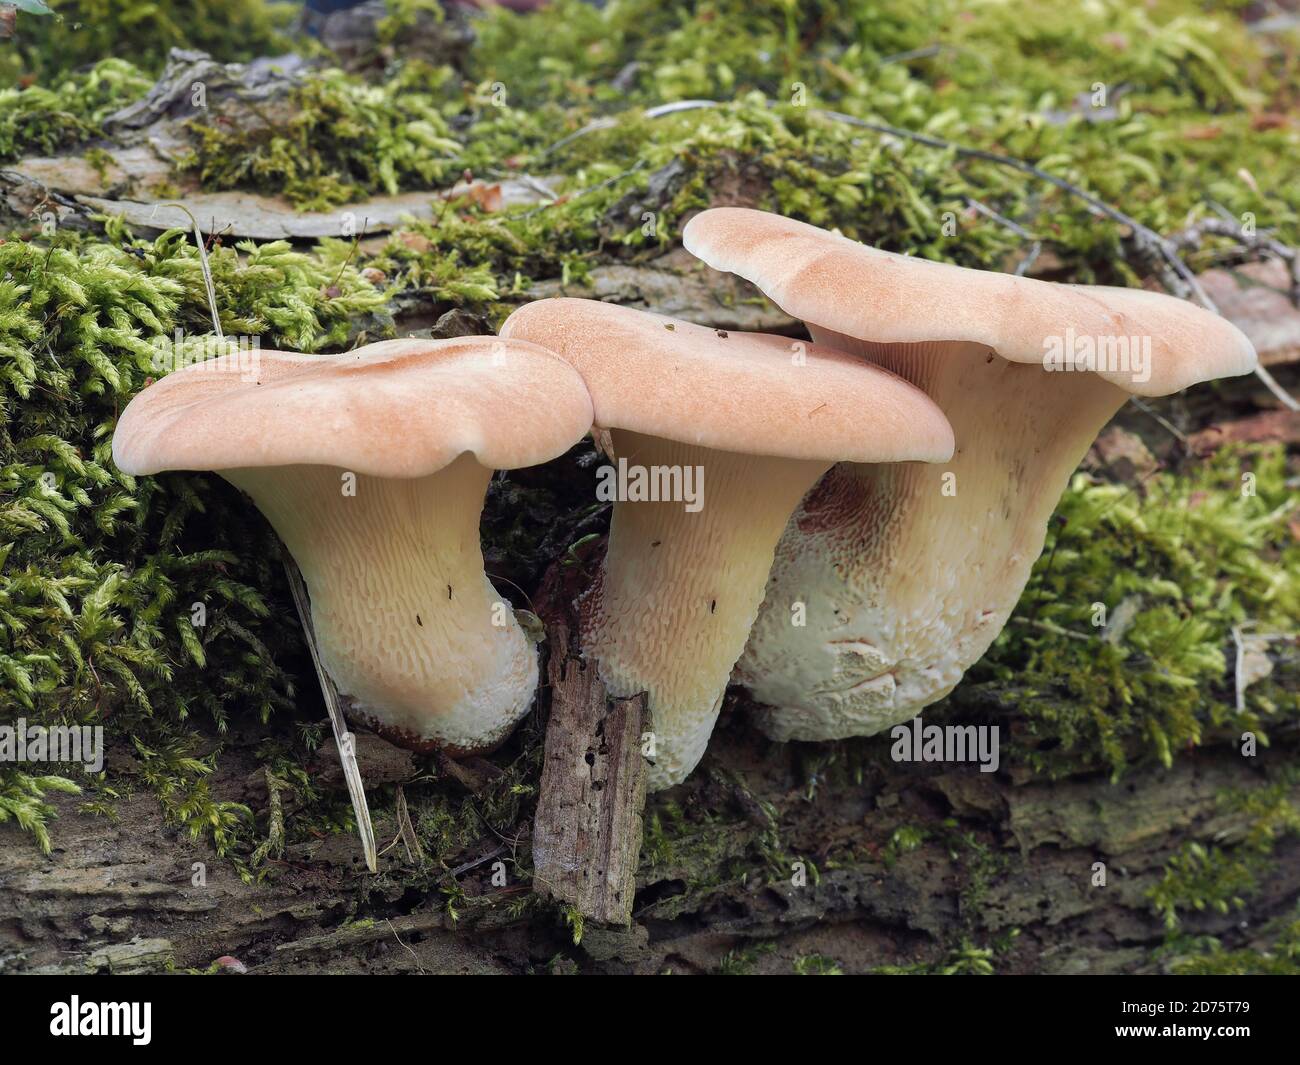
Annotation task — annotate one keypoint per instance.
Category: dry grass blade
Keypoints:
(203, 265)
(342, 737)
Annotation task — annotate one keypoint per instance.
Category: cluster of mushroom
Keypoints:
(845, 577)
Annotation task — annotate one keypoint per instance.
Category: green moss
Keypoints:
(1199, 877)
(984, 865)
(1000, 76)
(446, 824)
(963, 959)
(404, 15)
(742, 962)
(816, 965)
(340, 140)
(90, 30)
(1194, 555)
(662, 827)
(1279, 957)
(539, 78)
(100, 572)
(43, 121)
(1220, 878)
(22, 800)
(575, 921)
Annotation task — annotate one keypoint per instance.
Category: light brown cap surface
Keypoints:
(398, 408)
(749, 393)
(851, 288)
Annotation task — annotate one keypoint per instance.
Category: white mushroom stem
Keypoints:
(670, 612)
(408, 626)
(907, 572)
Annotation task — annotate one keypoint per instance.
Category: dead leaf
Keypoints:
(604, 442)
(488, 198)
(417, 242)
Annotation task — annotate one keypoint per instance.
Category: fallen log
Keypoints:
(910, 862)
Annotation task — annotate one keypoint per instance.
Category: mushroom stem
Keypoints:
(417, 640)
(678, 592)
(909, 571)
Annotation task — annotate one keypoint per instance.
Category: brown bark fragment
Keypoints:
(587, 834)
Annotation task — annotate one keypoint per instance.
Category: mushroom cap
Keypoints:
(828, 280)
(398, 408)
(740, 392)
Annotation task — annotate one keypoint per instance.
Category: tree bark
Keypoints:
(587, 833)
(717, 885)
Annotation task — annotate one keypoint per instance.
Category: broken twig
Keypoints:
(587, 832)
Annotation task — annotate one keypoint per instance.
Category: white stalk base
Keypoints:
(909, 571)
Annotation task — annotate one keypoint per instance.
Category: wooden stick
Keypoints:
(334, 704)
(587, 832)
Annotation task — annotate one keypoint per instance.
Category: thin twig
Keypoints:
(1056, 630)
(929, 51)
(1161, 419)
(1180, 279)
(1036, 245)
(406, 830)
(451, 874)
(1001, 220)
(408, 949)
(1023, 267)
(365, 224)
(607, 122)
(567, 197)
(1238, 669)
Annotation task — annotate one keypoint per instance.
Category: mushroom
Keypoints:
(910, 572)
(750, 422)
(372, 466)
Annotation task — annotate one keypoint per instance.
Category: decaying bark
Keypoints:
(991, 855)
(587, 832)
